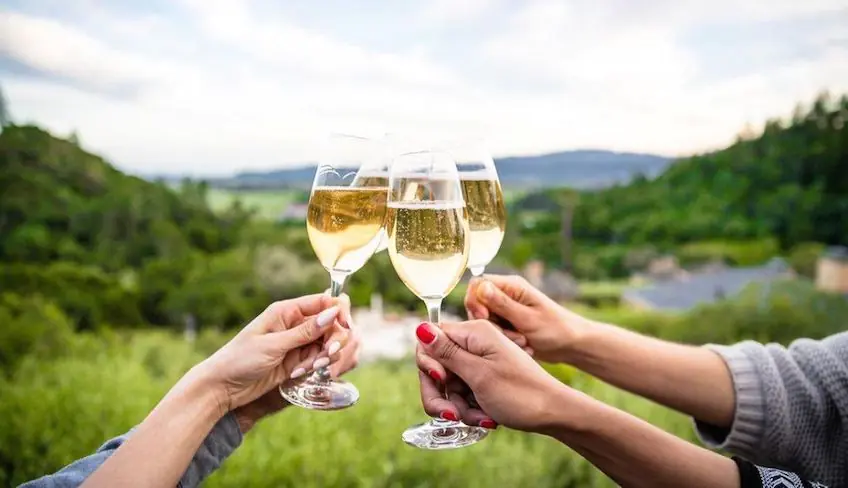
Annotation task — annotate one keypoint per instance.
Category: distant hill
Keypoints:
(577, 169)
(103, 245)
(789, 182)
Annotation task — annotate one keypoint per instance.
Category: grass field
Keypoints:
(268, 204)
(57, 409)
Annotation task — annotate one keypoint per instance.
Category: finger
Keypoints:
(308, 331)
(529, 350)
(301, 364)
(337, 340)
(501, 303)
(433, 401)
(452, 348)
(430, 366)
(516, 337)
(470, 415)
(349, 355)
(328, 354)
(473, 307)
(297, 309)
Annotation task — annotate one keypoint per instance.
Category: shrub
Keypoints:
(804, 257)
(30, 326)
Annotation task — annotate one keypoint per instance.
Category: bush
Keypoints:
(772, 312)
(89, 296)
(736, 253)
(30, 326)
(804, 258)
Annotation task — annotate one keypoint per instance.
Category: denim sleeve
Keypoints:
(224, 438)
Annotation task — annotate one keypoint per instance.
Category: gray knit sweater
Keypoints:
(791, 408)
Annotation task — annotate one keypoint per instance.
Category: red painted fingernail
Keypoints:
(433, 374)
(488, 424)
(425, 334)
(448, 415)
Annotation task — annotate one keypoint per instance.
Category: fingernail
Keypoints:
(469, 313)
(320, 363)
(448, 415)
(425, 334)
(298, 373)
(487, 290)
(433, 374)
(334, 347)
(326, 317)
(488, 424)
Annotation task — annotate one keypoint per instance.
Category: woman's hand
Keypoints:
(287, 340)
(506, 383)
(541, 325)
(272, 402)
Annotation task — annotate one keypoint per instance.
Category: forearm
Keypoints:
(160, 449)
(689, 379)
(635, 453)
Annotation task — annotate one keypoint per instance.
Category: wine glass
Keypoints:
(484, 201)
(378, 175)
(346, 213)
(428, 246)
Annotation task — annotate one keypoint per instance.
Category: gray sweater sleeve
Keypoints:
(791, 407)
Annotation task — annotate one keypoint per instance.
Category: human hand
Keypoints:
(511, 388)
(272, 402)
(541, 325)
(287, 340)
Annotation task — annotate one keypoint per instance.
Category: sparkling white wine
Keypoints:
(344, 224)
(484, 205)
(428, 245)
(376, 180)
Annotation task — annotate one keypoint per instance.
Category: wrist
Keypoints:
(208, 389)
(577, 335)
(566, 410)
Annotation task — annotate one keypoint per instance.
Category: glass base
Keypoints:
(443, 434)
(317, 394)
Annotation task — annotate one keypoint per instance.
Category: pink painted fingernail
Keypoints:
(326, 317)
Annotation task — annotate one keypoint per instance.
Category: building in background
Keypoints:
(832, 271)
(688, 290)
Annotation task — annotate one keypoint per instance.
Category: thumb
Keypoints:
(307, 332)
(452, 347)
(503, 297)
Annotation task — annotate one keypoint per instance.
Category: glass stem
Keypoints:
(434, 316)
(337, 281)
(434, 310)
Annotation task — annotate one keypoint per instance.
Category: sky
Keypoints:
(213, 87)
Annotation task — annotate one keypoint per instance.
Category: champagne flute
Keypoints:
(346, 214)
(377, 175)
(428, 247)
(484, 201)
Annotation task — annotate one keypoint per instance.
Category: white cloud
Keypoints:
(456, 11)
(236, 87)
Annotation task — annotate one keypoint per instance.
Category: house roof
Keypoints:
(685, 293)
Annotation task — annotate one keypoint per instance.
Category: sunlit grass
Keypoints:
(57, 410)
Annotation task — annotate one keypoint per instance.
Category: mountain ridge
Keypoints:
(581, 168)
